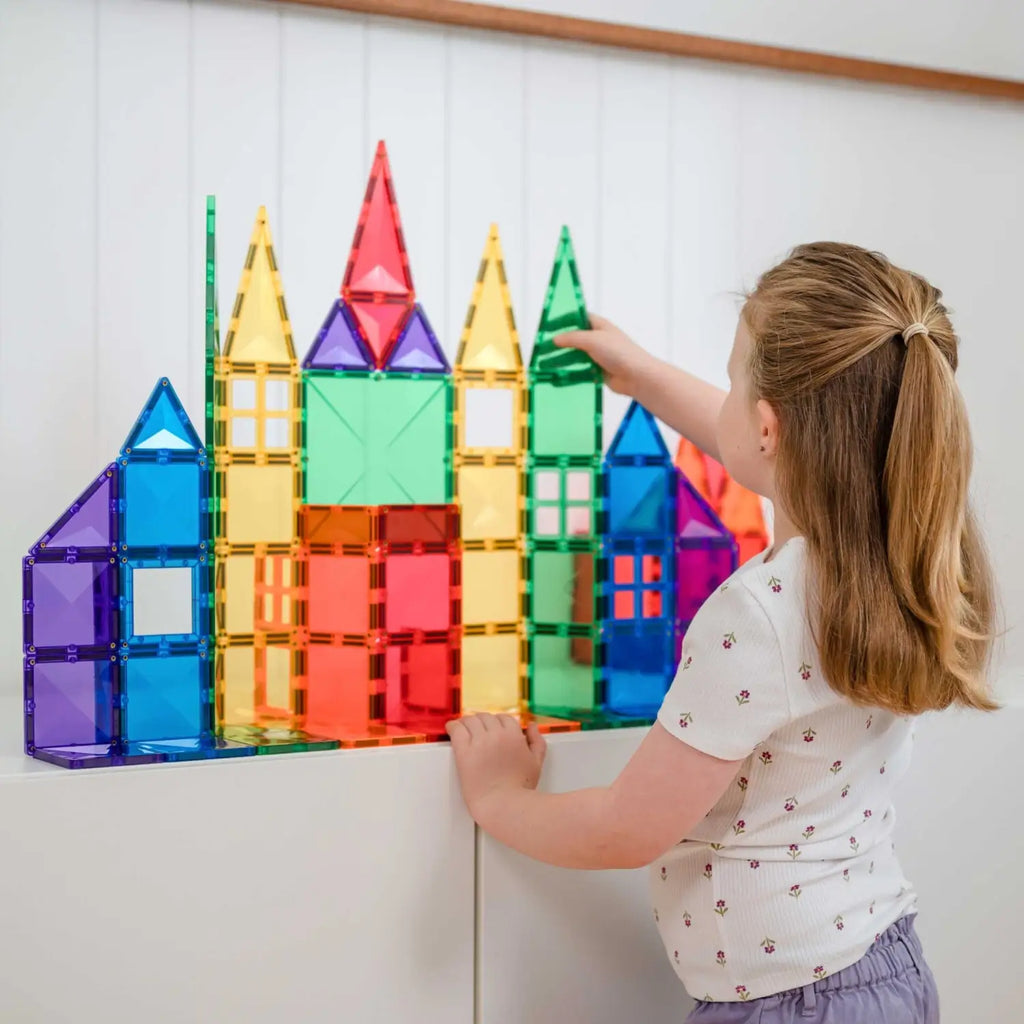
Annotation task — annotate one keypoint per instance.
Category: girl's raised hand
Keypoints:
(621, 358)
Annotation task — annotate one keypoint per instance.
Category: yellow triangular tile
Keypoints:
(259, 330)
(489, 339)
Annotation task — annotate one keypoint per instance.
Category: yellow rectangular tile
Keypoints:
(490, 673)
(490, 586)
(489, 500)
(260, 503)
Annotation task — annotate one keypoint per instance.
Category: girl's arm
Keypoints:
(666, 789)
(686, 403)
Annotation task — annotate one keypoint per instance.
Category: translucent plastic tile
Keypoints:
(380, 324)
(696, 520)
(275, 678)
(420, 686)
(559, 679)
(236, 595)
(259, 503)
(212, 336)
(417, 348)
(90, 522)
(700, 571)
(490, 674)
(381, 441)
(163, 425)
(338, 689)
(70, 703)
(338, 597)
(489, 501)
(562, 587)
(162, 503)
(564, 310)
(739, 509)
(378, 262)
(236, 690)
(565, 420)
(489, 338)
(490, 586)
(639, 667)
(259, 331)
(332, 524)
(435, 526)
(640, 499)
(417, 592)
(164, 697)
(638, 437)
(339, 345)
(72, 603)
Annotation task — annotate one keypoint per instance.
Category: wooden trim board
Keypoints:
(676, 44)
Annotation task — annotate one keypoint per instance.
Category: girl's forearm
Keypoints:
(568, 830)
(686, 403)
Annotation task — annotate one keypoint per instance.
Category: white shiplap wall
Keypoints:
(680, 183)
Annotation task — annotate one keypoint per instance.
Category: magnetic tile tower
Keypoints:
(117, 608)
(565, 567)
(639, 519)
(490, 465)
(382, 594)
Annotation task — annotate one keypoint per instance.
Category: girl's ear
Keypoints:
(768, 428)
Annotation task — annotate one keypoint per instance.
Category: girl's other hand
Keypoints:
(622, 359)
(493, 756)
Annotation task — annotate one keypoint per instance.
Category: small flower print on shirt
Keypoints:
(743, 697)
(854, 845)
(729, 640)
(867, 724)
(768, 945)
(804, 670)
(755, 864)
(717, 846)
(846, 792)
(707, 871)
(687, 663)
(795, 891)
(837, 767)
(838, 922)
(675, 955)
(687, 920)
(871, 909)
(846, 874)
(742, 782)
(881, 771)
(766, 757)
(820, 972)
(867, 814)
(720, 908)
(685, 719)
(740, 827)
(657, 916)
(776, 584)
(720, 958)
(664, 872)
(791, 803)
(793, 851)
(741, 993)
(808, 832)
(809, 735)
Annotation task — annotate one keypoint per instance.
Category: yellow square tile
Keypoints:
(490, 673)
(489, 500)
(490, 586)
(260, 504)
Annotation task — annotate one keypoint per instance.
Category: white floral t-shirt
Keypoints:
(793, 874)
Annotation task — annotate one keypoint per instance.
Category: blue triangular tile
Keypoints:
(163, 425)
(638, 436)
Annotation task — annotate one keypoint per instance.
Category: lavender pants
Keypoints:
(890, 984)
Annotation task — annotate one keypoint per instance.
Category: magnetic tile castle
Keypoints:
(369, 543)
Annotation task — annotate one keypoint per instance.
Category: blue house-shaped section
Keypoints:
(639, 599)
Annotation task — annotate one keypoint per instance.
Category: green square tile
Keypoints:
(565, 419)
(562, 679)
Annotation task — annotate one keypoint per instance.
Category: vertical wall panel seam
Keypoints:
(282, 235)
(96, 454)
(446, 158)
(524, 192)
(367, 31)
(597, 270)
(191, 208)
(670, 211)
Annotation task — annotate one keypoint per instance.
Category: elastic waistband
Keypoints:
(894, 952)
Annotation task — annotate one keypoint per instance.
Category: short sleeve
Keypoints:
(730, 690)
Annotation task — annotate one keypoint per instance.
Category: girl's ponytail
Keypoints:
(857, 358)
